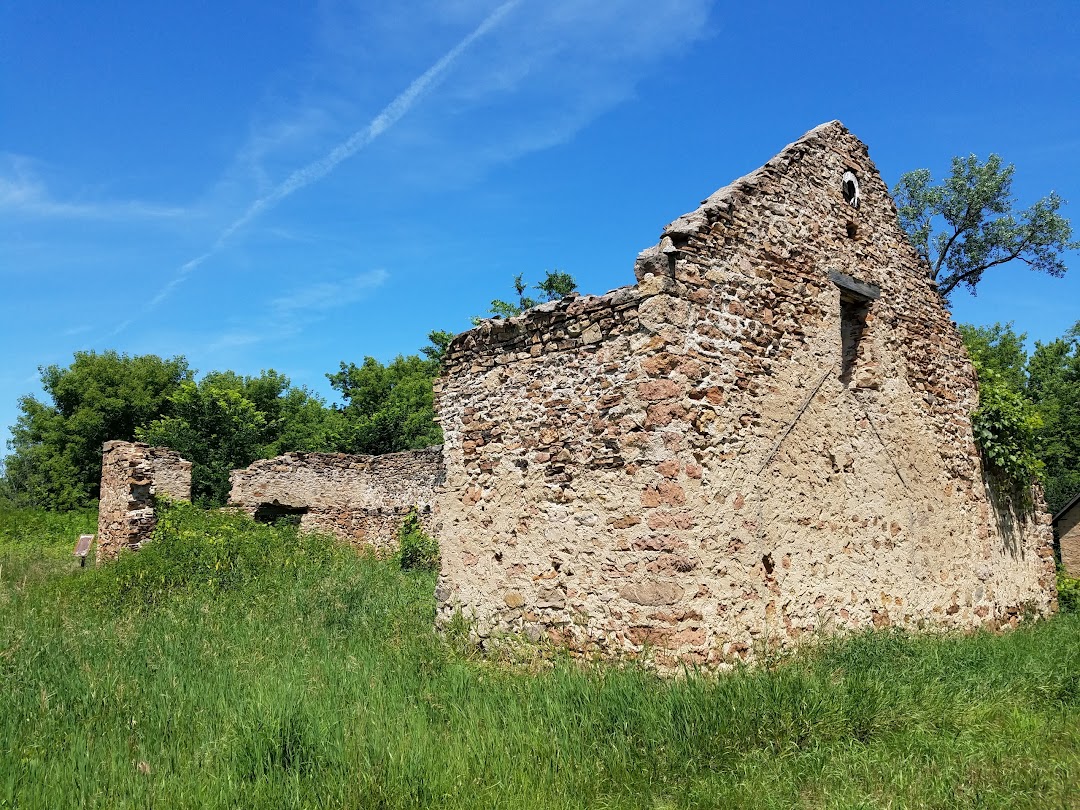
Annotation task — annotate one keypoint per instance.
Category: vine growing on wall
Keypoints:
(1006, 428)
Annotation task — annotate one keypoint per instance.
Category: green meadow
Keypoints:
(230, 664)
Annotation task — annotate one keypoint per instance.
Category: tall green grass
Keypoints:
(35, 545)
(234, 665)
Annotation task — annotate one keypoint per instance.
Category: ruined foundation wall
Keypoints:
(690, 463)
(1068, 532)
(132, 474)
(172, 474)
(362, 499)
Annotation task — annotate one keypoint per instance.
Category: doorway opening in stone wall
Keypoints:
(279, 513)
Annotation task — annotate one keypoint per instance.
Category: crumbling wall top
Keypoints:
(772, 189)
(721, 200)
(326, 480)
(572, 322)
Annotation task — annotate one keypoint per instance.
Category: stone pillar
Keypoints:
(132, 473)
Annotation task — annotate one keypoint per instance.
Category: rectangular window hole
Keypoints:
(853, 313)
(855, 299)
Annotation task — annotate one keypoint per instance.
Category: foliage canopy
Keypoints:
(1028, 420)
(555, 285)
(221, 422)
(226, 421)
(967, 223)
(387, 408)
(56, 445)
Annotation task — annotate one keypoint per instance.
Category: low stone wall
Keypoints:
(362, 499)
(133, 473)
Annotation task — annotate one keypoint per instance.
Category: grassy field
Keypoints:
(229, 665)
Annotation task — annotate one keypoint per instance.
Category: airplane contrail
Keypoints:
(318, 169)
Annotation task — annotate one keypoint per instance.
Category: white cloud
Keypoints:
(24, 193)
(236, 339)
(272, 142)
(527, 76)
(322, 296)
(554, 67)
(288, 314)
(320, 168)
(387, 118)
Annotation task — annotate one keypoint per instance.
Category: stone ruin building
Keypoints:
(361, 499)
(1066, 525)
(768, 435)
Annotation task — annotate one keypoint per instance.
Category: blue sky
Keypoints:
(291, 184)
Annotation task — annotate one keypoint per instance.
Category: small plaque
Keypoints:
(82, 548)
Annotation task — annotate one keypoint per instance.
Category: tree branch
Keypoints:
(976, 271)
(948, 245)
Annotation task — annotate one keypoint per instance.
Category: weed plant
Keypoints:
(417, 550)
(234, 665)
(1068, 592)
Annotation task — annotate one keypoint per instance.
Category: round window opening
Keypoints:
(851, 189)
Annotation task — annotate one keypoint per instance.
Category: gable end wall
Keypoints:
(680, 464)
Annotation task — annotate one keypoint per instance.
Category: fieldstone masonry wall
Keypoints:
(1067, 527)
(132, 473)
(362, 499)
(766, 436)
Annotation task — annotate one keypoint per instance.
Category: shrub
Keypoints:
(1068, 590)
(418, 550)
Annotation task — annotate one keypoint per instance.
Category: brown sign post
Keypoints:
(82, 548)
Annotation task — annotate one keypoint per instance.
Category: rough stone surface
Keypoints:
(728, 453)
(1067, 530)
(362, 499)
(132, 473)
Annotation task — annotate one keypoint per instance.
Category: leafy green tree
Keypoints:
(967, 224)
(216, 428)
(387, 408)
(1006, 426)
(555, 285)
(1000, 349)
(439, 341)
(55, 460)
(304, 423)
(227, 420)
(1028, 419)
(1054, 385)
(508, 309)
(294, 419)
